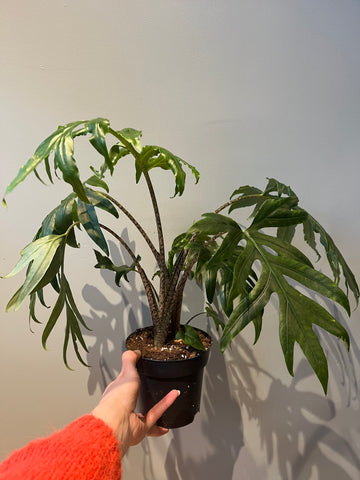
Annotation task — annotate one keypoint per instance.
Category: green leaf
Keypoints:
(99, 200)
(65, 345)
(59, 220)
(117, 151)
(169, 161)
(89, 220)
(241, 272)
(99, 129)
(309, 235)
(254, 196)
(76, 348)
(278, 187)
(295, 325)
(55, 313)
(334, 256)
(286, 233)
(248, 309)
(278, 212)
(190, 337)
(132, 136)
(48, 169)
(204, 255)
(61, 144)
(247, 201)
(39, 254)
(48, 224)
(63, 214)
(38, 177)
(13, 300)
(153, 156)
(52, 270)
(311, 279)
(72, 304)
(34, 249)
(41, 153)
(210, 278)
(120, 271)
(40, 293)
(65, 161)
(32, 315)
(297, 312)
(95, 181)
(74, 326)
(213, 224)
(246, 190)
(227, 246)
(257, 322)
(211, 313)
(142, 160)
(281, 247)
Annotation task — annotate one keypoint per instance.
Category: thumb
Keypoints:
(129, 360)
(128, 371)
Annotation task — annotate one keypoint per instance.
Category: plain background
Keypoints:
(243, 89)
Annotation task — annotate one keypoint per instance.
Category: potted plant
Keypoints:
(239, 267)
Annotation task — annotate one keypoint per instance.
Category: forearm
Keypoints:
(84, 449)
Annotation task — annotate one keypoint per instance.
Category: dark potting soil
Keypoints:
(143, 340)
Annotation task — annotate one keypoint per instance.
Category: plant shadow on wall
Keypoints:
(295, 425)
(117, 321)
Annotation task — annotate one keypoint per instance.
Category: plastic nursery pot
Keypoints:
(158, 377)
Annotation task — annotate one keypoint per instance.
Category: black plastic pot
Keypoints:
(158, 377)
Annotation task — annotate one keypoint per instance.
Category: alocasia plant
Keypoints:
(239, 267)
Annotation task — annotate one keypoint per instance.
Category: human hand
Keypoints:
(117, 406)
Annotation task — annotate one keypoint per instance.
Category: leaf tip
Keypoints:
(223, 345)
(324, 386)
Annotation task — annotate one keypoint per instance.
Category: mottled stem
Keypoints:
(149, 289)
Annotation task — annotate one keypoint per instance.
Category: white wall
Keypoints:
(244, 89)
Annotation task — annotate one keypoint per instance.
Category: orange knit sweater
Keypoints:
(85, 449)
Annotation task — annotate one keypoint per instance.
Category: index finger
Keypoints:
(157, 410)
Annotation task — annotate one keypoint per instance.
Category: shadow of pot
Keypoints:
(158, 377)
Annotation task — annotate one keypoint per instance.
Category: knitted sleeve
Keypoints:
(85, 449)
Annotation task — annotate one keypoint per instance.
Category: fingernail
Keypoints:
(178, 392)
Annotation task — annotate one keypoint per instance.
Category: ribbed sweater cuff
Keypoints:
(85, 449)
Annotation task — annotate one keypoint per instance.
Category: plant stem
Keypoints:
(159, 325)
(231, 202)
(123, 140)
(160, 332)
(194, 316)
(162, 263)
(149, 288)
(136, 224)
(176, 298)
(171, 311)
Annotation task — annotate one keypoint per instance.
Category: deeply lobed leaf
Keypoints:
(284, 271)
